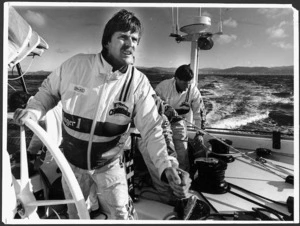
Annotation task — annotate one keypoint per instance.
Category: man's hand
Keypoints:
(21, 114)
(179, 181)
(170, 112)
(199, 138)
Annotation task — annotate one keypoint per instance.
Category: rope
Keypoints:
(259, 204)
(12, 79)
(244, 155)
(260, 196)
(11, 87)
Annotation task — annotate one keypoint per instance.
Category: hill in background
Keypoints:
(157, 71)
(156, 74)
(284, 70)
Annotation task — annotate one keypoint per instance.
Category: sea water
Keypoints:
(249, 102)
(245, 102)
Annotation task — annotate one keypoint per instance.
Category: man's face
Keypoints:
(121, 48)
(182, 85)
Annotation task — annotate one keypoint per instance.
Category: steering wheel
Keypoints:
(26, 202)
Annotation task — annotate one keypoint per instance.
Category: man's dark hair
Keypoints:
(18, 99)
(184, 72)
(122, 21)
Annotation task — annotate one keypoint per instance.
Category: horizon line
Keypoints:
(198, 69)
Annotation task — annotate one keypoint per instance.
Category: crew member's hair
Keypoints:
(184, 72)
(122, 21)
(18, 99)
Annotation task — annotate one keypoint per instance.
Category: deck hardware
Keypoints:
(289, 179)
(263, 152)
(211, 176)
(259, 204)
(191, 208)
(274, 166)
(290, 204)
(276, 138)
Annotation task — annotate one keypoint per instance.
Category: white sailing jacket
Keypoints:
(88, 90)
(183, 102)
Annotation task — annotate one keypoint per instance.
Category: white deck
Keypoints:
(243, 174)
(253, 178)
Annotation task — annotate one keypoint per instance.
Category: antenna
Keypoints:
(173, 21)
(220, 32)
(177, 24)
(175, 28)
(220, 23)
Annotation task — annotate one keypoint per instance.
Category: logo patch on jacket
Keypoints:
(119, 108)
(78, 89)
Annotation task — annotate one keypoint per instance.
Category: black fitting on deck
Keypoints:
(276, 138)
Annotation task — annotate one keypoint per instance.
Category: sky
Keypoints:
(253, 35)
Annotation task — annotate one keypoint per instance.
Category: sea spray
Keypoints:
(237, 122)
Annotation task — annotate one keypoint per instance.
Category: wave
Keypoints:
(238, 121)
(243, 102)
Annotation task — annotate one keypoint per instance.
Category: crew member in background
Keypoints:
(184, 96)
(101, 94)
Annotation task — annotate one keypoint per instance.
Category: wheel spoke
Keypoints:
(23, 154)
(50, 202)
(26, 202)
(64, 166)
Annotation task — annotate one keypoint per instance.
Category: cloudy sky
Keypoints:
(254, 35)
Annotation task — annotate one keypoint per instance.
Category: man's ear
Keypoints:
(106, 45)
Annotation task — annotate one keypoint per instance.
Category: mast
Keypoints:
(200, 40)
(194, 32)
